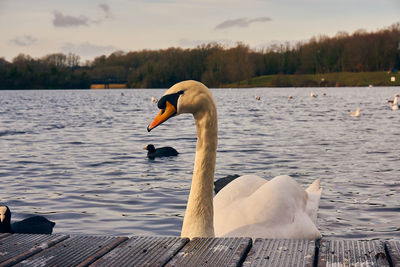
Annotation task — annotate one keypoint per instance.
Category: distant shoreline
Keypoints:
(337, 79)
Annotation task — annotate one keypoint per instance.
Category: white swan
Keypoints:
(249, 206)
(395, 104)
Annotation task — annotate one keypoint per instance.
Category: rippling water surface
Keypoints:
(76, 156)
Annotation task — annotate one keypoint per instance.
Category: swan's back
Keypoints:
(241, 187)
(254, 207)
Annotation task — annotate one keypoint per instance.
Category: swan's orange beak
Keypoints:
(162, 116)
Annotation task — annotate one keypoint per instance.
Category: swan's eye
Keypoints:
(172, 99)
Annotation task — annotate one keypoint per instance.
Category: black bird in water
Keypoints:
(166, 151)
(32, 225)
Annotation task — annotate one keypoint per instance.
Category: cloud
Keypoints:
(87, 50)
(26, 40)
(241, 22)
(61, 20)
(106, 9)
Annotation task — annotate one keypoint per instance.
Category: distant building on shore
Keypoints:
(108, 84)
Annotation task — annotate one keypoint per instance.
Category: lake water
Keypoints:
(76, 156)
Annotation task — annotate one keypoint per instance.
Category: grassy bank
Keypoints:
(322, 80)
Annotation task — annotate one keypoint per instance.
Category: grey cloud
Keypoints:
(106, 9)
(25, 40)
(240, 22)
(61, 20)
(88, 50)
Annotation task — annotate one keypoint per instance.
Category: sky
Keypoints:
(91, 28)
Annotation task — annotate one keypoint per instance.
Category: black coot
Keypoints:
(32, 225)
(166, 151)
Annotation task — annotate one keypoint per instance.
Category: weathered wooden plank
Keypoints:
(212, 252)
(352, 253)
(393, 248)
(143, 251)
(4, 235)
(105, 249)
(17, 247)
(75, 251)
(281, 252)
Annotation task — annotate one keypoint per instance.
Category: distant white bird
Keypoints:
(395, 104)
(290, 97)
(313, 94)
(355, 113)
(154, 100)
(256, 97)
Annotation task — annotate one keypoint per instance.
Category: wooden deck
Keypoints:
(66, 250)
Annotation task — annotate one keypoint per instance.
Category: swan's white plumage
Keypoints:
(314, 195)
(248, 206)
(279, 208)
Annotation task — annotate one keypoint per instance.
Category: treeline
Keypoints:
(50, 72)
(213, 64)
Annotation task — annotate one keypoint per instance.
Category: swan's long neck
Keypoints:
(198, 221)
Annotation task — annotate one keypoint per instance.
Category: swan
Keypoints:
(31, 225)
(395, 104)
(249, 206)
(313, 94)
(355, 113)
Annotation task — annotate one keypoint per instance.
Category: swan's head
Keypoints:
(184, 97)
